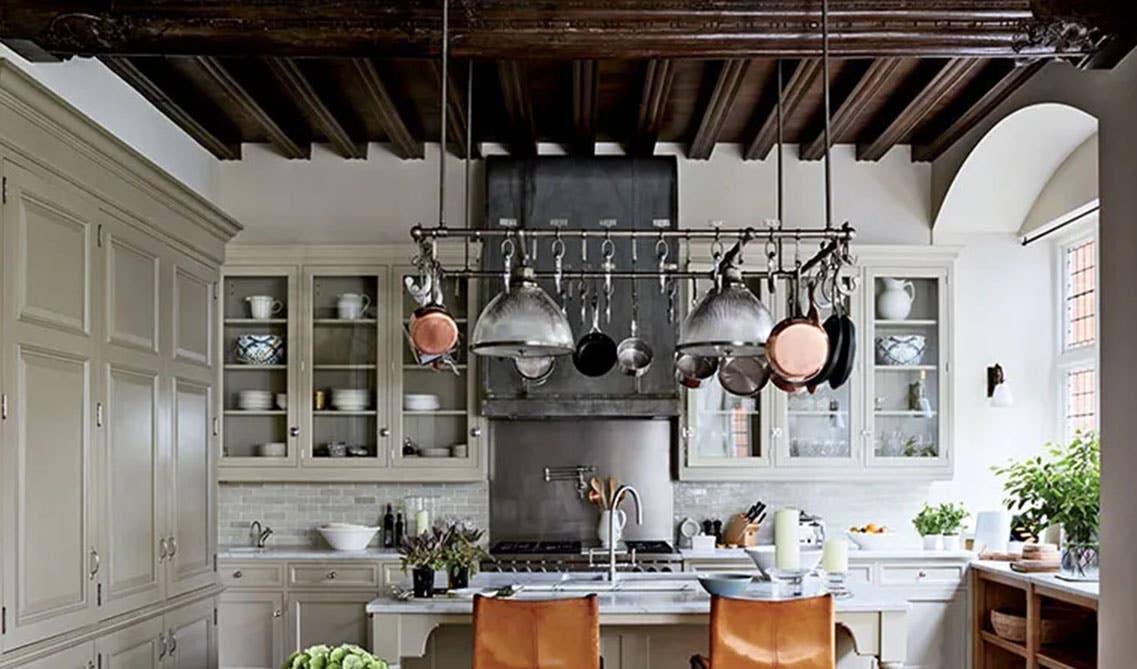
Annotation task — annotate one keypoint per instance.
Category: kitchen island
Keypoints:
(631, 618)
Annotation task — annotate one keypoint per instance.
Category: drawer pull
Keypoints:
(331, 575)
(921, 574)
(237, 574)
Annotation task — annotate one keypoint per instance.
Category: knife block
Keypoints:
(740, 531)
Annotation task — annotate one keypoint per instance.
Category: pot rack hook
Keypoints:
(507, 249)
(661, 252)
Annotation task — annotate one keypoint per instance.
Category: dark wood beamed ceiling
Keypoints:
(633, 72)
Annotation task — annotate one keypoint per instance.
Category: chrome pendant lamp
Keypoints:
(522, 322)
(728, 321)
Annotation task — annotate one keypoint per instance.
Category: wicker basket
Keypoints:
(1057, 627)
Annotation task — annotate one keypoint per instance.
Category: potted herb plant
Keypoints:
(951, 522)
(927, 523)
(462, 553)
(1062, 488)
(423, 555)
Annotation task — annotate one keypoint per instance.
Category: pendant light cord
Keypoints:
(825, 74)
(469, 148)
(445, 110)
(779, 156)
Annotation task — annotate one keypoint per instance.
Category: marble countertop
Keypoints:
(901, 553)
(634, 596)
(302, 553)
(1050, 580)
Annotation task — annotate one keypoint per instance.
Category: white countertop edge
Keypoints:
(906, 553)
(1050, 580)
(304, 553)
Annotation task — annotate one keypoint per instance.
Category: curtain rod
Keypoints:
(1056, 228)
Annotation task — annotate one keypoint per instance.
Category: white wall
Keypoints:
(94, 90)
(1073, 186)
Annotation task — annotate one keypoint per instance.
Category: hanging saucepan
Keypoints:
(798, 346)
(633, 353)
(595, 352)
(848, 350)
(432, 328)
(535, 371)
(687, 381)
(744, 376)
(695, 367)
(786, 386)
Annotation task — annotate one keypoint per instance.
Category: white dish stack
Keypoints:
(350, 399)
(254, 400)
(417, 402)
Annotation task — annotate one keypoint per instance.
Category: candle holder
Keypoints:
(793, 578)
(835, 583)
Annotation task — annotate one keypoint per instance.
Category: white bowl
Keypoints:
(412, 402)
(900, 349)
(437, 452)
(763, 558)
(273, 449)
(254, 400)
(350, 399)
(349, 538)
(876, 542)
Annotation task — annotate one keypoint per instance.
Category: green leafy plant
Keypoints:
(952, 517)
(927, 522)
(1061, 487)
(427, 550)
(462, 548)
(347, 656)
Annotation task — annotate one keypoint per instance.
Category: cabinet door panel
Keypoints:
(77, 657)
(132, 285)
(251, 630)
(937, 632)
(328, 618)
(131, 488)
(47, 568)
(191, 511)
(192, 637)
(136, 647)
(193, 316)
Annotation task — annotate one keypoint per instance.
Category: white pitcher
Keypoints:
(602, 526)
(350, 306)
(262, 307)
(895, 301)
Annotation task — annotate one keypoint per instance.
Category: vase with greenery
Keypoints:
(927, 523)
(951, 523)
(1062, 487)
(462, 553)
(423, 555)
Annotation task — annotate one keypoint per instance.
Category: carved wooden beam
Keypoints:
(918, 109)
(288, 145)
(658, 78)
(519, 107)
(456, 114)
(1001, 79)
(585, 80)
(178, 105)
(520, 29)
(303, 94)
(722, 99)
(403, 144)
(794, 92)
(851, 109)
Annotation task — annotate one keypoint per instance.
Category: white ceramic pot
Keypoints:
(895, 301)
(602, 526)
(933, 542)
(262, 307)
(350, 306)
(952, 542)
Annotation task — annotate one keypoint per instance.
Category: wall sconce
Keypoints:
(998, 392)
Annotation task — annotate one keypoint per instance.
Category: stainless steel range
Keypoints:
(577, 556)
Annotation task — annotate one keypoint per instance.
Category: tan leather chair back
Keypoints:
(553, 634)
(756, 634)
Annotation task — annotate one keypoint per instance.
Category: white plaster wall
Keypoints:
(89, 86)
(1073, 186)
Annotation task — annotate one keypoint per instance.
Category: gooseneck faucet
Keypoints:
(618, 497)
(259, 536)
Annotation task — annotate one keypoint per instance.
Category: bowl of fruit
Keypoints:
(873, 537)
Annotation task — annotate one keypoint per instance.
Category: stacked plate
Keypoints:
(420, 402)
(254, 400)
(350, 399)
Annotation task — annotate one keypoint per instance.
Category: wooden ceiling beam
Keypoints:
(851, 109)
(585, 91)
(945, 81)
(288, 145)
(518, 107)
(658, 77)
(162, 95)
(520, 29)
(718, 107)
(965, 115)
(456, 115)
(300, 90)
(794, 92)
(403, 143)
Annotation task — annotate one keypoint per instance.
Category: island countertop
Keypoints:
(1050, 580)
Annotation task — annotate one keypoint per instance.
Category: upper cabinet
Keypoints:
(892, 419)
(320, 384)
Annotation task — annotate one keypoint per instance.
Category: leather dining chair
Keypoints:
(770, 634)
(549, 634)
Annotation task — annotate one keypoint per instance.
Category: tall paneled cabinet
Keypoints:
(108, 299)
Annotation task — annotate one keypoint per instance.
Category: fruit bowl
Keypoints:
(874, 540)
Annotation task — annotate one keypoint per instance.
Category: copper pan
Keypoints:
(798, 347)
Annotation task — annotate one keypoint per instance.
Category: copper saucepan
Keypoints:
(798, 346)
(432, 328)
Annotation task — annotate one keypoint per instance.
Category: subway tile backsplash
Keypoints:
(295, 510)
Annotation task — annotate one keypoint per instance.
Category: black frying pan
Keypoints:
(595, 352)
(834, 329)
(847, 354)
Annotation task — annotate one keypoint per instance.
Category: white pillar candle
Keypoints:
(422, 521)
(835, 556)
(787, 547)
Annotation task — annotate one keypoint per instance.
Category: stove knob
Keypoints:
(651, 569)
(544, 567)
(513, 567)
(666, 569)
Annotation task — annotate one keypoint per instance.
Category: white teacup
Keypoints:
(262, 307)
(350, 306)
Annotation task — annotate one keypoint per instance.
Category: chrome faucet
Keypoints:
(260, 534)
(618, 497)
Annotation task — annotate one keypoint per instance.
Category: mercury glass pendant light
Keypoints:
(522, 322)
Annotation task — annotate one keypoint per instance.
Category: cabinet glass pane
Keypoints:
(434, 402)
(255, 381)
(906, 360)
(818, 424)
(344, 357)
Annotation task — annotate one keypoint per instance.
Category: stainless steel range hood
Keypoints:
(639, 193)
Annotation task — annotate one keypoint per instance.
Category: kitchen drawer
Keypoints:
(259, 574)
(392, 573)
(333, 574)
(859, 574)
(916, 574)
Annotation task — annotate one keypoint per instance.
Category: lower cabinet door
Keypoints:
(139, 646)
(938, 628)
(191, 637)
(250, 629)
(79, 657)
(331, 618)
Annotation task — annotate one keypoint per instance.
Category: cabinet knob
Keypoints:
(277, 613)
(475, 432)
(237, 574)
(173, 544)
(173, 642)
(921, 574)
(384, 432)
(331, 575)
(294, 431)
